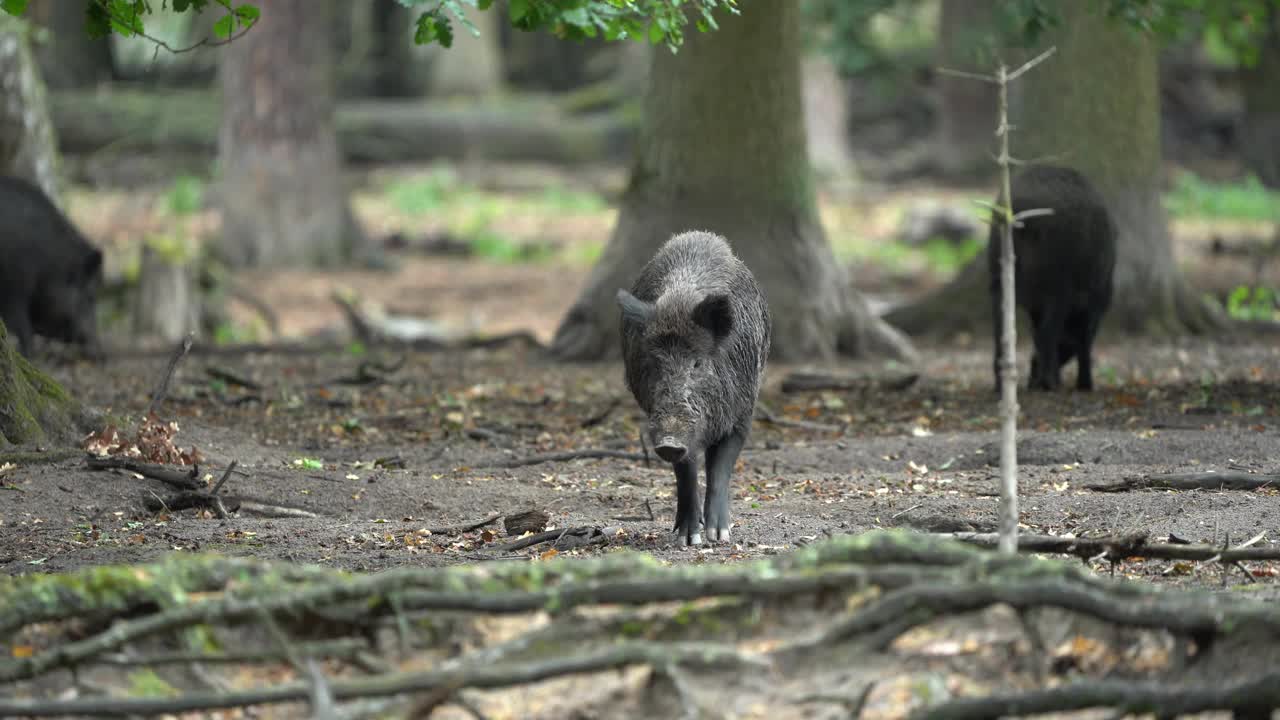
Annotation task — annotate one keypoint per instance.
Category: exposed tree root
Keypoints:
(891, 581)
(1191, 481)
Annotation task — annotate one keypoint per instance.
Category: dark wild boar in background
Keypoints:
(49, 273)
(1062, 271)
(695, 337)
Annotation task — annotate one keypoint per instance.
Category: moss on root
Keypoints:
(33, 407)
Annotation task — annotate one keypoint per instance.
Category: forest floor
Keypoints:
(436, 439)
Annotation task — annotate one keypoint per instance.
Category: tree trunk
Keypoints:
(282, 196)
(826, 115)
(967, 112)
(1260, 129)
(1093, 106)
(394, 67)
(723, 149)
(69, 58)
(28, 148)
(473, 66)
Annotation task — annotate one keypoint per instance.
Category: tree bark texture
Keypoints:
(69, 58)
(1093, 106)
(1260, 128)
(826, 116)
(283, 199)
(967, 118)
(473, 66)
(722, 149)
(28, 148)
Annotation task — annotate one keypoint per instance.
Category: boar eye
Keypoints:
(697, 363)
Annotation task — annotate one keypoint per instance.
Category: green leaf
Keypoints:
(97, 22)
(484, 4)
(181, 5)
(433, 27)
(655, 33)
(14, 7)
(518, 9)
(248, 14)
(224, 26)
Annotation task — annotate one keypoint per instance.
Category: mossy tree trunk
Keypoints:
(28, 146)
(722, 148)
(1260, 129)
(1093, 106)
(33, 408)
(283, 200)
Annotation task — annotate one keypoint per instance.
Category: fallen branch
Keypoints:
(764, 414)
(577, 537)
(1191, 481)
(232, 378)
(1118, 548)
(182, 479)
(596, 419)
(809, 381)
(484, 676)
(590, 454)
(465, 527)
(1125, 697)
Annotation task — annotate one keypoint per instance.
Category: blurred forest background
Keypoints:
(438, 193)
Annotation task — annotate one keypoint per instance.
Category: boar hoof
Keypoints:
(718, 535)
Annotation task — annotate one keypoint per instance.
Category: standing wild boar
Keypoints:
(1063, 265)
(695, 336)
(49, 272)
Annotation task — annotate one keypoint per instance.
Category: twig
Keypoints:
(232, 378)
(483, 676)
(230, 469)
(764, 414)
(163, 388)
(803, 381)
(341, 647)
(593, 420)
(590, 454)
(465, 527)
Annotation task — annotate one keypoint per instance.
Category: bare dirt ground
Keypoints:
(437, 442)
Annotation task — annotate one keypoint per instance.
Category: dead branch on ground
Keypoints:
(188, 479)
(1120, 547)
(764, 414)
(1190, 481)
(569, 456)
(812, 381)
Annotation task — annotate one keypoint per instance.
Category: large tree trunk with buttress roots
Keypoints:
(1093, 106)
(723, 149)
(283, 200)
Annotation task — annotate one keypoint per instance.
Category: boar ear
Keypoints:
(715, 314)
(633, 308)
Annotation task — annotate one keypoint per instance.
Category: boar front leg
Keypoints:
(721, 458)
(688, 526)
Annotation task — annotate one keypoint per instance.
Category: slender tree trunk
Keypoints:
(394, 68)
(826, 116)
(967, 119)
(283, 199)
(69, 58)
(1260, 130)
(1093, 106)
(473, 66)
(723, 149)
(28, 147)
